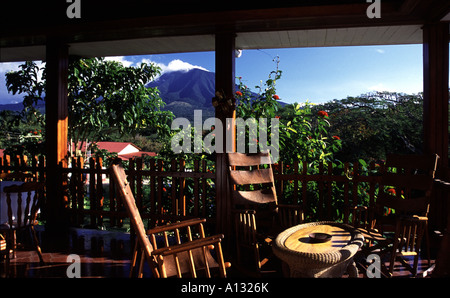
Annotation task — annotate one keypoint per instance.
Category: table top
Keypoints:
(308, 258)
(300, 241)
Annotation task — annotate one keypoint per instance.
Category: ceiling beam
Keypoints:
(304, 17)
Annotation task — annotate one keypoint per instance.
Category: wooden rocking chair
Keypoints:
(185, 257)
(23, 204)
(258, 216)
(411, 179)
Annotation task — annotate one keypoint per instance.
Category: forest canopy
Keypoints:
(373, 125)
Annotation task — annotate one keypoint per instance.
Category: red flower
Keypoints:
(336, 138)
(276, 97)
(391, 191)
(322, 114)
(238, 93)
(278, 117)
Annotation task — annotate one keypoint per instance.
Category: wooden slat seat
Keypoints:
(185, 257)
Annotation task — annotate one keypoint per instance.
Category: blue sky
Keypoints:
(313, 74)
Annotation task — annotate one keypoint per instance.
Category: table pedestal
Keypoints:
(337, 270)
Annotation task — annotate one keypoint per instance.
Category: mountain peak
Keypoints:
(196, 87)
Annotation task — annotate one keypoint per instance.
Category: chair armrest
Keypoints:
(177, 225)
(414, 218)
(198, 243)
(2, 243)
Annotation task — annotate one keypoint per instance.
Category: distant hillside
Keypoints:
(17, 107)
(182, 91)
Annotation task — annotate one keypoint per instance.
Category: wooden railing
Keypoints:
(179, 190)
(23, 163)
(327, 192)
(175, 190)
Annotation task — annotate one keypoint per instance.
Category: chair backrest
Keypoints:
(411, 179)
(125, 193)
(289, 216)
(252, 178)
(24, 201)
(245, 226)
(409, 233)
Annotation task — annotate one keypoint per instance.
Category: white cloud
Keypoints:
(121, 59)
(174, 65)
(178, 65)
(380, 51)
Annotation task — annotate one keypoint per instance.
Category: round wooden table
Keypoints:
(307, 257)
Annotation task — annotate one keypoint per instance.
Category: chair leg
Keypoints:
(256, 256)
(6, 265)
(427, 241)
(141, 265)
(398, 240)
(392, 262)
(13, 240)
(134, 258)
(422, 228)
(36, 244)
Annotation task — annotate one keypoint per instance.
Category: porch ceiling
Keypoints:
(380, 35)
(134, 29)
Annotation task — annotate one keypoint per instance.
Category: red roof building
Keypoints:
(124, 150)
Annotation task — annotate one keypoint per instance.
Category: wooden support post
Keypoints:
(225, 84)
(435, 124)
(435, 92)
(57, 59)
(435, 112)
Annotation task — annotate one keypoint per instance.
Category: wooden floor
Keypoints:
(103, 254)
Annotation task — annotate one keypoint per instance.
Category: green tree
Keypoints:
(303, 133)
(103, 97)
(375, 124)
